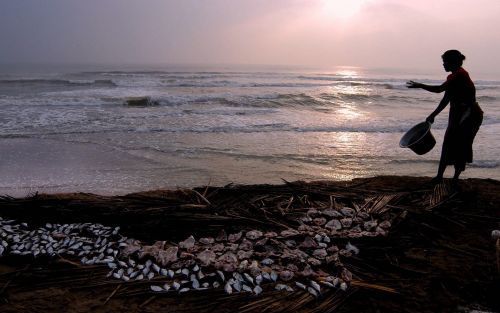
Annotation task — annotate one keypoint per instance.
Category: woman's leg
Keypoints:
(440, 173)
(458, 171)
(459, 168)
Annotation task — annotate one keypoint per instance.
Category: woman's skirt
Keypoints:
(459, 136)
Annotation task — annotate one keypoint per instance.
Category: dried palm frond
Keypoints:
(378, 204)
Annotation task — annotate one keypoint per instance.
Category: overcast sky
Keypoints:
(369, 33)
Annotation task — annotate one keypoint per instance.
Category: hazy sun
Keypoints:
(341, 9)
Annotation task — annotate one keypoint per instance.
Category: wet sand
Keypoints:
(437, 258)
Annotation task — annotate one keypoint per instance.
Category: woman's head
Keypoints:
(452, 60)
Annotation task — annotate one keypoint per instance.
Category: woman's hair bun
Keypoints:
(453, 56)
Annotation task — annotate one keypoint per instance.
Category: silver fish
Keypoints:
(200, 275)
(156, 268)
(328, 284)
(257, 290)
(248, 278)
(316, 286)
(351, 248)
(237, 285)
(228, 289)
(343, 286)
(176, 285)
(258, 279)
(247, 288)
(156, 288)
(195, 284)
(280, 287)
(274, 276)
(221, 275)
(312, 291)
(171, 273)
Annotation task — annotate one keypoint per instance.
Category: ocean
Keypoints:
(71, 130)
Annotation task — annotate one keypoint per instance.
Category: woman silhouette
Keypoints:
(465, 115)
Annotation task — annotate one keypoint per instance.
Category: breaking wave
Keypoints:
(57, 82)
(475, 164)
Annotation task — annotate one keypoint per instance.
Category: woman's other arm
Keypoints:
(444, 102)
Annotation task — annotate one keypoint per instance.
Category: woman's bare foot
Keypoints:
(437, 180)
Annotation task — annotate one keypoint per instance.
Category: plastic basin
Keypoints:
(419, 139)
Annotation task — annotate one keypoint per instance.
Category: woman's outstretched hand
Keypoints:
(412, 84)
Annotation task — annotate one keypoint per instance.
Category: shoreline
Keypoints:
(436, 257)
(57, 164)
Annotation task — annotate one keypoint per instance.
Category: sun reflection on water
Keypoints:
(346, 149)
(349, 112)
(346, 72)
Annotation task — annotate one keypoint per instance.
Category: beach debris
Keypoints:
(207, 240)
(234, 237)
(334, 225)
(385, 224)
(286, 275)
(188, 243)
(254, 234)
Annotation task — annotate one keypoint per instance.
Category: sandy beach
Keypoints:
(437, 256)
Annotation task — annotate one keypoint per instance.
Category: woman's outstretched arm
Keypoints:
(431, 88)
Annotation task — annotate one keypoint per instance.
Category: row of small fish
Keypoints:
(97, 244)
(89, 241)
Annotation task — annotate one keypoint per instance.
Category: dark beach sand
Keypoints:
(438, 256)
